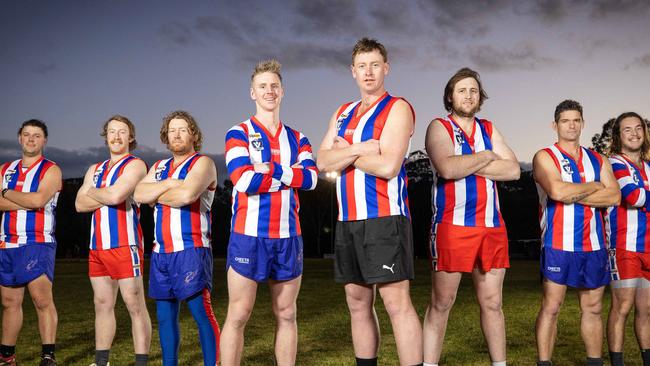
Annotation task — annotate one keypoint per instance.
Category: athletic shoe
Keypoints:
(47, 360)
(8, 361)
(94, 364)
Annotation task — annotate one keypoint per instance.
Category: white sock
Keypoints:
(429, 364)
(500, 363)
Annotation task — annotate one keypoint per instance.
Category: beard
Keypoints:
(179, 149)
(460, 111)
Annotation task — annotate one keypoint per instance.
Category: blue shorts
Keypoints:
(576, 269)
(20, 266)
(179, 275)
(262, 258)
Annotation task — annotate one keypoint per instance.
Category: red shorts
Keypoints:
(462, 249)
(627, 265)
(118, 263)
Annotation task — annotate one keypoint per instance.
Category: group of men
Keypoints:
(367, 142)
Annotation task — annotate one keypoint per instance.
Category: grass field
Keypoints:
(322, 320)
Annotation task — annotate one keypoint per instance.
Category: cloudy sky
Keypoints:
(74, 63)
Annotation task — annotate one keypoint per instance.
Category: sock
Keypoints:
(7, 351)
(429, 364)
(499, 363)
(616, 358)
(141, 359)
(544, 363)
(645, 356)
(170, 336)
(594, 361)
(101, 356)
(201, 308)
(47, 350)
(366, 361)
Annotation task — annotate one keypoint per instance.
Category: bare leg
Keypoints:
(283, 297)
(591, 322)
(642, 317)
(40, 290)
(489, 289)
(444, 286)
(132, 291)
(104, 296)
(241, 299)
(12, 313)
(363, 319)
(546, 325)
(622, 302)
(404, 319)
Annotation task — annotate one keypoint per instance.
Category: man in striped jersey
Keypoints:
(268, 163)
(574, 185)
(628, 236)
(181, 189)
(30, 189)
(468, 155)
(115, 258)
(367, 142)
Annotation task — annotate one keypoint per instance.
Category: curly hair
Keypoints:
(616, 147)
(461, 74)
(133, 143)
(191, 124)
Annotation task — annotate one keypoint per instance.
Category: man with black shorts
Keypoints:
(574, 185)
(367, 142)
(30, 190)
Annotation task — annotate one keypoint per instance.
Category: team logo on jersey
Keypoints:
(636, 178)
(98, 172)
(566, 166)
(8, 175)
(459, 138)
(339, 121)
(257, 144)
(159, 171)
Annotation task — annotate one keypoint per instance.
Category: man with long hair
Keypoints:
(628, 236)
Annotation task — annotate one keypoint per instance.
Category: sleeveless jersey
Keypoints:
(25, 227)
(626, 225)
(572, 227)
(471, 201)
(119, 225)
(267, 205)
(181, 228)
(364, 196)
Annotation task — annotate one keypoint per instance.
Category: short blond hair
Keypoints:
(271, 65)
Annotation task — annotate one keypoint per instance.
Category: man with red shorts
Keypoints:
(115, 258)
(628, 238)
(468, 235)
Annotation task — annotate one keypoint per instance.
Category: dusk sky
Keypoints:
(75, 63)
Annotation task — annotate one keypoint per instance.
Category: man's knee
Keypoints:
(491, 303)
(397, 306)
(594, 308)
(442, 303)
(239, 317)
(551, 308)
(43, 300)
(134, 301)
(285, 314)
(10, 302)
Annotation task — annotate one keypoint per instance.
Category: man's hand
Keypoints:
(262, 168)
(369, 147)
(298, 166)
(340, 142)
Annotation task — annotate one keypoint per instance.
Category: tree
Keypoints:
(600, 142)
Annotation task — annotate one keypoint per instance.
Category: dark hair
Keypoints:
(616, 146)
(461, 74)
(365, 45)
(34, 123)
(191, 124)
(567, 105)
(132, 144)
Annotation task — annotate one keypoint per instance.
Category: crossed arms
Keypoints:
(90, 198)
(47, 188)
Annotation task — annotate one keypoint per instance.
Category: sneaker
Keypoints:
(8, 361)
(47, 360)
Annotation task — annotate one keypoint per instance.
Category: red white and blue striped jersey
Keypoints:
(626, 225)
(26, 227)
(572, 227)
(471, 201)
(180, 228)
(267, 205)
(119, 225)
(360, 195)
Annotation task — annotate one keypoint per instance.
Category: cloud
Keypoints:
(523, 56)
(177, 34)
(328, 17)
(605, 8)
(642, 62)
(74, 164)
(44, 69)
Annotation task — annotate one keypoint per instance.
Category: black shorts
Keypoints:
(374, 251)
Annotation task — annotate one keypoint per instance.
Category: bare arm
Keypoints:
(148, 190)
(547, 176)
(83, 203)
(133, 173)
(202, 176)
(334, 157)
(440, 149)
(506, 167)
(609, 195)
(49, 185)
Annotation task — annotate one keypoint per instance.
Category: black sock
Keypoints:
(616, 358)
(6, 351)
(645, 356)
(141, 359)
(366, 361)
(101, 356)
(594, 361)
(544, 363)
(47, 350)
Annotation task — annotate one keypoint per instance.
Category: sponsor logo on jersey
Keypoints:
(554, 269)
(254, 135)
(31, 264)
(242, 260)
(275, 151)
(348, 131)
(189, 276)
(389, 268)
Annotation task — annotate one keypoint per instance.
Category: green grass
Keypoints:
(323, 322)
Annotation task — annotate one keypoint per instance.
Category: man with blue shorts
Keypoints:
(575, 184)
(30, 190)
(181, 189)
(268, 163)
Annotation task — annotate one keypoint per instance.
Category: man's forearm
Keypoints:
(500, 170)
(605, 197)
(7, 205)
(335, 160)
